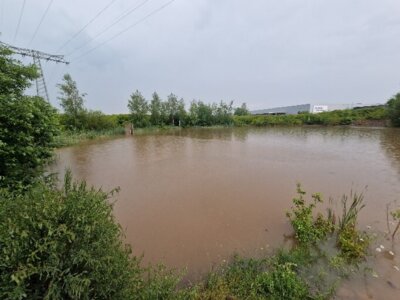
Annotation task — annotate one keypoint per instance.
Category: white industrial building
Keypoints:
(309, 108)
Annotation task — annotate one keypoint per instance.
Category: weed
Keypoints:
(308, 230)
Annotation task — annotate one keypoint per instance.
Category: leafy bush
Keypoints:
(63, 245)
(28, 125)
(307, 230)
(282, 283)
(393, 109)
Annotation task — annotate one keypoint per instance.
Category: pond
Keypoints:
(190, 198)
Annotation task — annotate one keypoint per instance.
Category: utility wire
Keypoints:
(119, 19)
(87, 24)
(126, 29)
(2, 16)
(19, 20)
(40, 22)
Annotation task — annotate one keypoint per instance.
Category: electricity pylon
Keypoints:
(41, 88)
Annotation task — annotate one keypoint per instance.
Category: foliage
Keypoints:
(69, 138)
(308, 230)
(255, 279)
(396, 217)
(138, 108)
(28, 125)
(333, 118)
(352, 243)
(156, 117)
(63, 245)
(282, 283)
(14, 76)
(72, 103)
(393, 108)
(242, 110)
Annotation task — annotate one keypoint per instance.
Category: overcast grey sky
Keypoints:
(263, 52)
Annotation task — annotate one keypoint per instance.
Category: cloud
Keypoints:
(265, 53)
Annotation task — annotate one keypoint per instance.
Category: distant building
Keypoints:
(308, 108)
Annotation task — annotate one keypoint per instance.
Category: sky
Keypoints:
(265, 53)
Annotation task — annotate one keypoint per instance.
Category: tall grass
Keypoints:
(69, 138)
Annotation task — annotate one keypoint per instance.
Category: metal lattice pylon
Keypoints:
(41, 88)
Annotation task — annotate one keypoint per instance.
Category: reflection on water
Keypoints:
(192, 197)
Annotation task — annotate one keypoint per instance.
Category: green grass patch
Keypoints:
(70, 138)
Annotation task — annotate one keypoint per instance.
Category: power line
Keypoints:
(119, 19)
(87, 24)
(2, 15)
(40, 22)
(19, 20)
(126, 29)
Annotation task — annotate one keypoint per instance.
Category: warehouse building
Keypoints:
(306, 108)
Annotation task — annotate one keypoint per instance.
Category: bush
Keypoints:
(28, 127)
(393, 108)
(27, 124)
(63, 245)
(307, 230)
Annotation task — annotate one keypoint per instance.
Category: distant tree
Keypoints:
(72, 103)
(182, 115)
(242, 110)
(172, 108)
(205, 114)
(139, 109)
(393, 107)
(155, 110)
(223, 113)
(28, 125)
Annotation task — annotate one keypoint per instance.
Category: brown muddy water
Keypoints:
(190, 198)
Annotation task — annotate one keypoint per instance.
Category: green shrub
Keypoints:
(352, 243)
(27, 124)
(393, 110)
(28, 127)
(307, 230)
(63, 245)
(282, 283)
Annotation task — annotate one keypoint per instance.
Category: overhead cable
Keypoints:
(125, 30)
(119, 19)
(40, 22)
(87, 24)
(19, 20)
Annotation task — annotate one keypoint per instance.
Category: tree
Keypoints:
(172, 107)
(138, 108)
(182, 115)
(155, 110)
(393, 107)
(242, 110)
(28, 125)
(72, 103)
(223, 113)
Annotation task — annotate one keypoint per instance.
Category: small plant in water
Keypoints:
(352, 243)
(396, 217)
(307, 230)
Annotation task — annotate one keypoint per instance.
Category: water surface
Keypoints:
(192, 197)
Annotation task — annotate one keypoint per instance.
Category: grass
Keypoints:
(70, 138)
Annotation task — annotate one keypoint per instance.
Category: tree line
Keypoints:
(157, 112)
